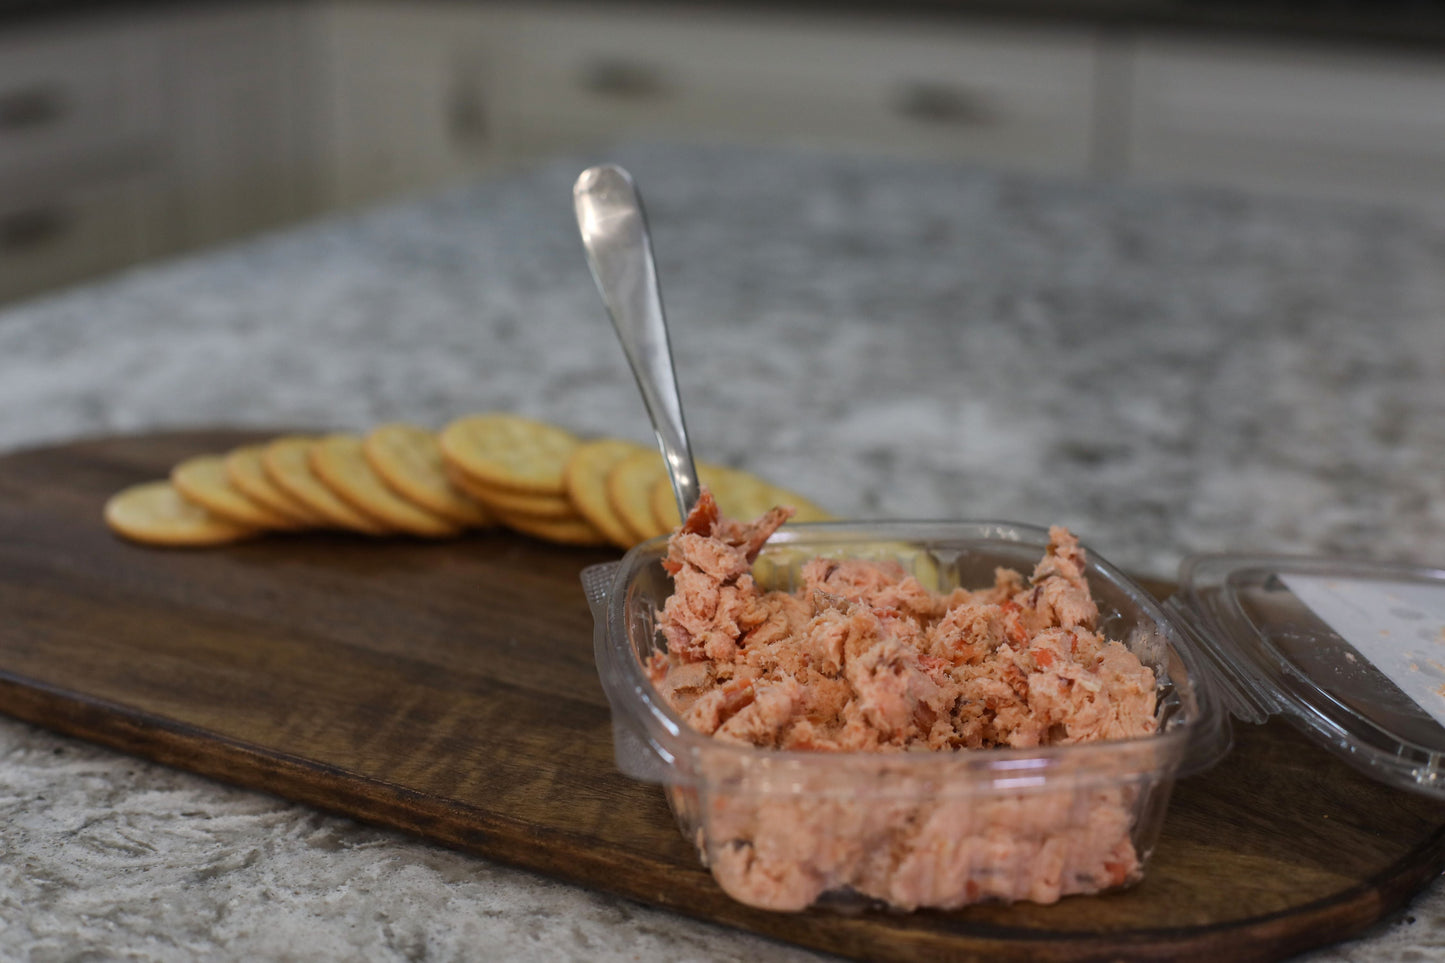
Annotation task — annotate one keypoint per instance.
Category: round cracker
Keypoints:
(464, 483)
(663, 503)
(410, 461)
(570, 529)
(155, 513)
(585, 476)
(629, 492)
(244, 469)
(630, 486)
(203, 480)
(342, 466)
(740, 495)
(499, 501)
(509, 452)
(287, 461)
(567, 531)
(510, 519)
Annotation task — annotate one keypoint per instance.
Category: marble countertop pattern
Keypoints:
(1165, 371)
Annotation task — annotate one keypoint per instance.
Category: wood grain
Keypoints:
(448, 690)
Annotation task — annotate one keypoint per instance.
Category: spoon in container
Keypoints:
(619, 252)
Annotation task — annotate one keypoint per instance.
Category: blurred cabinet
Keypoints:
(54, 233)
(423, 94)
(426, 93)
(80, 121)
(409, 92)
(126, 137)
(239, 104)
(1286, 118)
(588, 75)
(88, 95)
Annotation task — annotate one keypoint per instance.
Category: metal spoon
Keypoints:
(619, 252)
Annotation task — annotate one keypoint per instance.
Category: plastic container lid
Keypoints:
(1352, 653)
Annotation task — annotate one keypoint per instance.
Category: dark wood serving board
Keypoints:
(448, 690)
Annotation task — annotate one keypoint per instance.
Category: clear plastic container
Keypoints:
(1350, 652)
(785, 830)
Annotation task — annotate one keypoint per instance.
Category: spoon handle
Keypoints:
(619, 252)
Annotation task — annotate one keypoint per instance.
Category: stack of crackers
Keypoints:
(480, 471)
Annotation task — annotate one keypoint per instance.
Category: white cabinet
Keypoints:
(124, 136)
(582, 75)
(1288, 118)
(51, 234)
(75, 97)
(129, 136)
(238, 103)
(79, 128)
(407, 91)
(423, 94)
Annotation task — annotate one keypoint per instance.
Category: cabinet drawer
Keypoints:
(408, 91)
(237, 109)
(1022, 98)
(1301, 120)
(52, 236)
(90, 95)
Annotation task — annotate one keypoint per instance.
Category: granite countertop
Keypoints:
(1167, 372)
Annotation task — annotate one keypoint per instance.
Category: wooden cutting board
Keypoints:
(447, 690)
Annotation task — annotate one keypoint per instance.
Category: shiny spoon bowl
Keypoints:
(619, 253)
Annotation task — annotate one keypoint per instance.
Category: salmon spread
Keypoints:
(862, 657)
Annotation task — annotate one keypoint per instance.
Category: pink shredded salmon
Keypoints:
(862, 657)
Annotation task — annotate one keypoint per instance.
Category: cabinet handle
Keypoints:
(32, 227)
(943, 105)
(623, 79)
(467, 116)
(30, 107)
